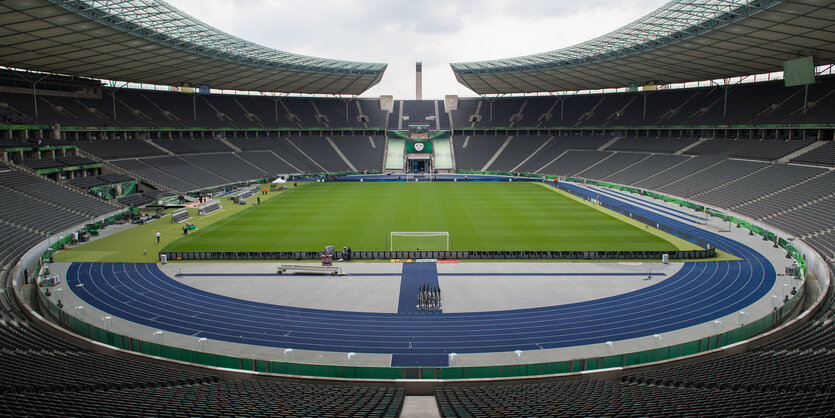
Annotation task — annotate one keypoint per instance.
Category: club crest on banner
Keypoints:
(418, 146)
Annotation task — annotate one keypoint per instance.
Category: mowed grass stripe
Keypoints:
(478, 216)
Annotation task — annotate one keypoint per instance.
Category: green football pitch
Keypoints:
(476, 216)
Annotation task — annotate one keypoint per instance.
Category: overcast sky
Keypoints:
(402, 32)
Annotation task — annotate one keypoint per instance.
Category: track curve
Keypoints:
(698, 293)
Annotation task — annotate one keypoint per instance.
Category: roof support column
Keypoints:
(725, 100)
(113, 89)
(35, 98)
(34, 88)
(490, 102)
(359, 113)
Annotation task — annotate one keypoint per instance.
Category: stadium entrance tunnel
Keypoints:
(441, 255)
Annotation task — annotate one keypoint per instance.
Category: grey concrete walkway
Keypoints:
(375, 287)
(352, 292)
(420, 407)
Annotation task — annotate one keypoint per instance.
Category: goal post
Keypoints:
(419, 240)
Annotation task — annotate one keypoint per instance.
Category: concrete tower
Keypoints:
(419, 81)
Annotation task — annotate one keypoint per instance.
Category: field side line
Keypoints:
(679, 243)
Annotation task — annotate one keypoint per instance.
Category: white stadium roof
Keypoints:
(684, 40)
(150, 41)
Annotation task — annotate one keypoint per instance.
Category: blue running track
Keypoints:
(698, 293)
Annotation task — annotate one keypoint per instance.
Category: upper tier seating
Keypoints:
(766, 103)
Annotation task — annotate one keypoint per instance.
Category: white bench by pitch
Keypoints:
(310, 268)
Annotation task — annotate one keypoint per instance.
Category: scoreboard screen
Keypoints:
(799, 72)
(419, 131)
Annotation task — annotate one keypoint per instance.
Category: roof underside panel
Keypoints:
(684, 40)
(150, 41)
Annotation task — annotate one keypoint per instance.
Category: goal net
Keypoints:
(419, 241)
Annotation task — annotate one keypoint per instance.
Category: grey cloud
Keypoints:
(538, 9)
(397, 32)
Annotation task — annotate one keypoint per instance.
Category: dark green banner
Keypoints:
(439, 134)
(418, 147)
(398, 134)
(114, 191)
